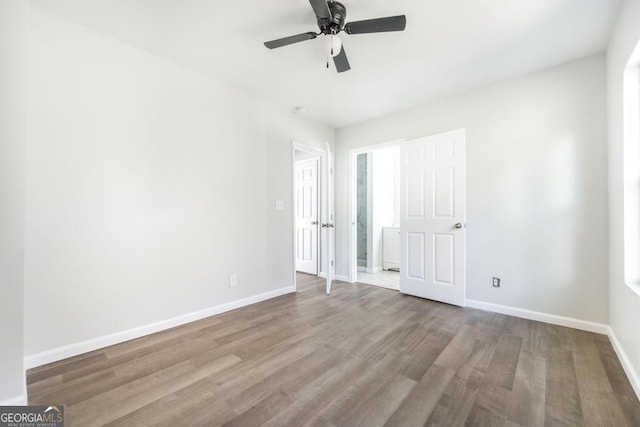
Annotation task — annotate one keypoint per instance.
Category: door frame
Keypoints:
(353, 202)
(320, 154)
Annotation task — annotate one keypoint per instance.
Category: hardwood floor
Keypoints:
(362, 356)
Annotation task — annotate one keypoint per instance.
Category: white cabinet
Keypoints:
(391, 248)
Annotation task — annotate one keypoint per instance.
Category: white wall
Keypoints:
(624, 304)
(13, 25)
(147, 186)
(536, 186)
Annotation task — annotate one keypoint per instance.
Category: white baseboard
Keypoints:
(584, 325)
(15, 401)
(632, 374)
(75, 349)
(362, 269)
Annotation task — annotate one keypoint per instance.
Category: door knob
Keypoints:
(458, 225)
(314, 223)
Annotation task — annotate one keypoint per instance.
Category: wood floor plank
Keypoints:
(251, 371)
(49, 383)
(475, 367)
(198, 404)
(376, 410)
(360, 356)
(340, 410)
(318, 421)
(64, 367)
(161, 337)
(389, 342)
(299, 372)
(629, 404)
(562, 400)
(123, 400)
(458, 350)
(424, 353)
(416, 409)
(528, 400)
(454, 406)
(78, 390)
(612, 366)
(324, 389)
(491, 406)
(267, 408)
(502, 370)
(599, 406)
(533, 341)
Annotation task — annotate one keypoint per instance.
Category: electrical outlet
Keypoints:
(496, 282)
(233, 280)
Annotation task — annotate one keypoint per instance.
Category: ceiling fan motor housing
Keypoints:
(338, 18)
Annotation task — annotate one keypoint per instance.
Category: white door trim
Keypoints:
(353, 205)
(322, 200)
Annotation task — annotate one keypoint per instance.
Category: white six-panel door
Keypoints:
(307, 216)
(432, 217)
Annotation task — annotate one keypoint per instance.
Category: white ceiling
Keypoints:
(448, 46)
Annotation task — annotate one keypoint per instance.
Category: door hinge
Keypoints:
(331, 263)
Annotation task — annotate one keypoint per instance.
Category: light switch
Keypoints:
(280, 205)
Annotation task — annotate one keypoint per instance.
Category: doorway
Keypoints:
(313, 223)
(378, 216)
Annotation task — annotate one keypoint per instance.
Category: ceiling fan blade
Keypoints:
(380, 25)
(321, 9)
(290, 40)
(341, 61)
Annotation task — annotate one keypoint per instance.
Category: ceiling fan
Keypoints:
(331, 21)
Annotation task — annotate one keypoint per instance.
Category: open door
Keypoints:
(432, 217)
(328, 226)
(306, 211)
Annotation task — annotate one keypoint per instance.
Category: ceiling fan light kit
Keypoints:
(331, 17)
(334, 45)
